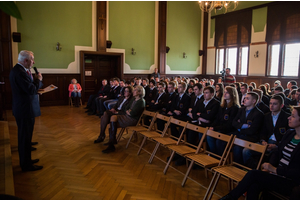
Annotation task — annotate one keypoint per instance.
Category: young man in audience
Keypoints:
(274, 127)
(160, 98)
(247, 123)
(192, 137)
(109, 104)
(208, 108)
(104, 90)
(287, 101)
(113, 94)
(152, 91)
(260, 104)
(242, 95)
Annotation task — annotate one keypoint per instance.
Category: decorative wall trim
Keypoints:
(169, 71)
(258, 36)
(258, 43)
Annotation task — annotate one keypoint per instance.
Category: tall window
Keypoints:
(283, 37)
(232, 42)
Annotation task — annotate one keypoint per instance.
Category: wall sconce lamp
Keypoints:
(201, 52)
(184, 55)
(256, 54)
(108, 44)
(132, 51)
(58, 48)
(167, 49)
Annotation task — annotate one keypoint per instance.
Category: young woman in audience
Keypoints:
(219, 91)
(268, 88)
(227, 112)
(238, 87)
(282, 173)
(266, 97)
(253, 85)
(133, 111)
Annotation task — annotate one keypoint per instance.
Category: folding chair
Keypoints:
(169, 140)
(149, 134)
(202, 157)
(234, 171)
(182, 147)
(140, 126)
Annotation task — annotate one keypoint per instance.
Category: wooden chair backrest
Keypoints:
(183, 124)
(198, 129)
(145, 113)
(249, 145)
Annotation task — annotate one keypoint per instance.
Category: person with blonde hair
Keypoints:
(75, 91)
(133, 111)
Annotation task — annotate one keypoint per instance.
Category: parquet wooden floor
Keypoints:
(75, 167)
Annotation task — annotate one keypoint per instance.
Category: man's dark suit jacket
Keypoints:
(168, 105)
(255, 119)
(182, 105)
(281, 126)
(150, 95)
(263, 107)
(120, 100)
(114, 92)
(25, 102)
(104, 90)
(162, 102)
(209, 112)
(194, 106)
(292, 171)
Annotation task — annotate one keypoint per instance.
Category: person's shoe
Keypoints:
(35, 161)
(99, 139)
(34, 143)
(227, 197)
(32, 168)
(108, 143)
(86, 107)
(109, 149)
(180, 161)
(33, 148)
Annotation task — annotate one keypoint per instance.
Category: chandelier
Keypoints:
(208, 6)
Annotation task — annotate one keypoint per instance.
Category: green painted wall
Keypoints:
(242, 5)
(46, 23)
(183, 35)
(132, 25)
(212, 27)
(259, 19)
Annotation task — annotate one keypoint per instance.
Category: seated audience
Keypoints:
(242, 95)
(152, 91)
(160, 99)
(282, 173)
(275, 126)
(260, 104)
(289, 87)
(75, 91)
(133, 111)
(118, 109)
(247, 123)
(104, 90)
(109, 104)
(223, 122)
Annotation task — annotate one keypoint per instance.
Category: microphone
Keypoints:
(36, 71)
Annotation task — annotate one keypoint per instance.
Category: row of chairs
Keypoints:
(220, 165)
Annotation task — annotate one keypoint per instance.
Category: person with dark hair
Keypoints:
(208, 108)
(133, 111)
(265, 97)
(109, 104)
(253, 85)
(268, 88)
(242, 95)
(190, 91)
(238, 87)
(151, 92)
(275, 126)
(281, 173)
(118, 109)
(278, 89)
(285, 108)
(145, 84)
(247, 123)
(297, 97)
(260, 104)
(104, 90)
(160, 98)
(192, 83)
(155, 74)
(219, 91)
(250, 88)
(289, 87)
(223, 122)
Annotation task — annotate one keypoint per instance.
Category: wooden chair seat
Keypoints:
(231, 172)
(136, 128)
(150, 134)
(204, 159)
(165, 141)
(182, 149)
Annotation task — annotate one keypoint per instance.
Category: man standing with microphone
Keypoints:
(25, 106)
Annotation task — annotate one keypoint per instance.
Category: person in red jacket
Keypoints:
(75, 91)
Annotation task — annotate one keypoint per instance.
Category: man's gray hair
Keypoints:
(24, 54)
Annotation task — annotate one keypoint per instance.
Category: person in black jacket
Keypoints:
(151, 93)
(104, 90)
(25, 106)
(118, 109)
(282, 173)
(223, 123)
(260, 104)
(275, 126)
(247, 123)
